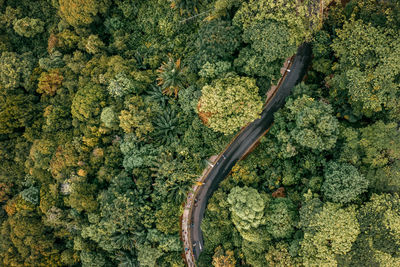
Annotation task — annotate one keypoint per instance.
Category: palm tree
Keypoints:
(166, 126)
(156, 94)
(171, 76)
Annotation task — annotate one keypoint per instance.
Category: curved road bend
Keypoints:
(242, 143)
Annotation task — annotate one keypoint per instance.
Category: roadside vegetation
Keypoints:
(109, 109)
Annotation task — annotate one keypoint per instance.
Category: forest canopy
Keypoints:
(109, 110)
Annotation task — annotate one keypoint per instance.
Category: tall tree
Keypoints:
(343, 183)
(368, 69)
(230, 103)
(324, 240)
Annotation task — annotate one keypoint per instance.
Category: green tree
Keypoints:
(15, 70)
(88, 102)
(380, 145)
(94, 44)
(81, 12)
(385, 179)
(136, 118)
(269, 46)
(324, 240)
(109, 117)
(247, 207)
(343, 183)
(300, 18)
(166, 126)
(278, 256)
(121, 85)
(305, 123)
(223, 259)
(147, 256)
(230, 103)
(217, 40)
(281, 218)
(167, 219)
(49, 82)
(171, 77)
(137, 154)
(28, 27)
(378, 243)
(368, 68)
(26, 240)
(82, 197)
(16, 112)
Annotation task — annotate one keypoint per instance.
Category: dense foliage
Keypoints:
(109, 108)
(322, 187)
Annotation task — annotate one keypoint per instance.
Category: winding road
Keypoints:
(243, 142)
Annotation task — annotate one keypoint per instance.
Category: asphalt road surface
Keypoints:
(243, 142)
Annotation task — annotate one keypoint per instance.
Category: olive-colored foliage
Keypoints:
(268, 47)
(167, 219)
(82, 197)
(242, 173)
(217, 40)
(368, 68)
(305, 123)
(343, 183)
(136, 118)
(254, 253)
(53, 61)
(300, 18)
(26, 240)
(223, 259)
(28, 27)
(147, 256)
(230, 103)
(324, 240)
(379, 142)
(215, 70)
(49, 82)
(247, 207)
(379, 241)
(120, 86)
(94, 44)
(187, 7)
(88, 102)
(16, 112)
(109, 117)
(81, 12)
(171, 77)
(40, 153)
(15, 70)
(385, 179)
(278, 256)
(281, 218)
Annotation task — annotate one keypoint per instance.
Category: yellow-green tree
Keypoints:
(81, 12)
(230, 103)
(223, 259)
(327, 234)
(136, 118)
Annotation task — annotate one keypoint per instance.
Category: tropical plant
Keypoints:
(171, 77)
(156, 94)
(166, 126)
